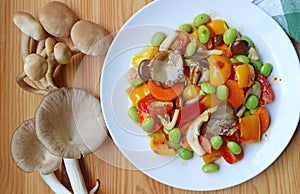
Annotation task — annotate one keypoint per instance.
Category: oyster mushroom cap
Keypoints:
(167, 68)
(29, 25)
(70, 123)
(29, 153)
(62, 53)
(57, 18)
(90, 38)
(35, 67)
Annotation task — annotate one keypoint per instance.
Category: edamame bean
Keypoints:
(216, 142)
(175, 135)
(266, 69)
(138, 81)
(186, 28)
(173, 145)
(233, 60)
(133, 114)
(251, 102)
(184, 154)
(201, 19)
(230, 36)
(191, 48)
(203, 34)
(234, 147)
(210, 167)
(242, 58)
(246, 38)
(148, 123)
(222, 92)
(207, 88)
(157, 38)
(258, 63)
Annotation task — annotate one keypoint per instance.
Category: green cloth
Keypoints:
(286, 13)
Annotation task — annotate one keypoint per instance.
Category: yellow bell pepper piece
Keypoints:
(158, 144)
(245, 75)
(138, 92)
(146, 53)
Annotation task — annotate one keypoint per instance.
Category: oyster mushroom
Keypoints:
(31, 155)
(69, 122)
(57, 19)
(31, 28)
(166, 68)
(193, 132)
(90, 38)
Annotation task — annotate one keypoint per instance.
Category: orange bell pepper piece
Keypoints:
(264, 119)
(210, 100)
(245, 75)
(219, 69)
(236, 95)
(250, 129)
(217, 26)
(158, 144)
(165, 94)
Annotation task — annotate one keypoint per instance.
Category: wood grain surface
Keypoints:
(116, 174)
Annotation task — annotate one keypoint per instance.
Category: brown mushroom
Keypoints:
(90, 38)
(31, 155)
(69, 122)
(57, 18)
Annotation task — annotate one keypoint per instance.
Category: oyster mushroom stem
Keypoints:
(76, 180)
(25, 41)
(40, 47)
(70, 124)
(24, 85)
(30, 155)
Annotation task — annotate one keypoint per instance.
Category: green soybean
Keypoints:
(216, 142)
(201, 19)
(207, 88)
(230, 36)
(148, 123)
(186, 28)
(242, 58)
(222, 92)
(251, 102)
(175, 135)
(233, 60)
(138, 81)
(246, 38)
(133, 114)
(191, 48)
(234, 147)
(210, 167)
(184, 154)
(258, 63)
(173, 145)
(157, 38)
(266, 69)
(203, 34)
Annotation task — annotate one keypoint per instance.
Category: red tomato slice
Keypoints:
(226, 153)
(149, 104)
(267, 95)
(181, 42)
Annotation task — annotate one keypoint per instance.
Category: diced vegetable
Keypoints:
(236, 94)
(138, 93)
(218, 26)
(264, 119)
(250, 128)
(245, 75)
(165, 94)
(158, 144)
(220, 69)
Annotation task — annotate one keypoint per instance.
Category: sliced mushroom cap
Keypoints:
(90, 38)
(57, 18)
(35, 67)
(69, 122)
(29, 153)
(167, 68)
(29, 25)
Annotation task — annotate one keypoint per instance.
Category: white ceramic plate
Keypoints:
(165, 15)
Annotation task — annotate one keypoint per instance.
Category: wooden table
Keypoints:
(18, 105)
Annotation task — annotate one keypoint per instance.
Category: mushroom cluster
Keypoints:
(68, 123)
(59, 34)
